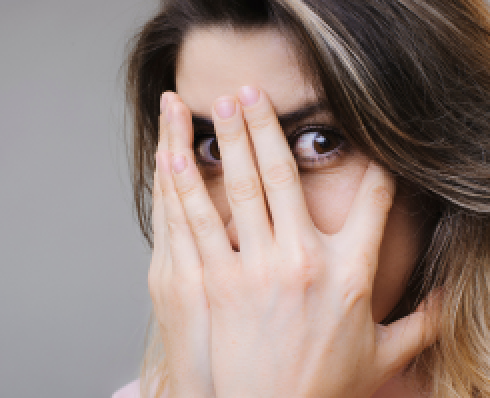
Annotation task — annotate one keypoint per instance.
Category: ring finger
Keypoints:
(183, 250)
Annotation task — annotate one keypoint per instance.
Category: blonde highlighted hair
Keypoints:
(409, 80)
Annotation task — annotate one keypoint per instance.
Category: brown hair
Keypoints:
(409, 80)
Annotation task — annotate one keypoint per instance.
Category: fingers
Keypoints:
(182, 248)
(242, 182)
(197, 211)
(278, 170)
(161, 264)
(159, 223)
(161, 249)
(401, 341)
(362, 232)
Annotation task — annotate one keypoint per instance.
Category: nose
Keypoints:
(232, 234)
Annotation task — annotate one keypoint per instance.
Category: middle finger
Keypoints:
(278, 169)
(242, 182)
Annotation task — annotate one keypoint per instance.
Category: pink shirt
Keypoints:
(396, 387)
(132, 390)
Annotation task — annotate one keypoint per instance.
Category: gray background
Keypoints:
(73, 284)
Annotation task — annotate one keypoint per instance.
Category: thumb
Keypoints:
(401, 341)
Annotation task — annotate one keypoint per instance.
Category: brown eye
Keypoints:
(206, 150)
(316, 146)
(214, 149)
(323, 144)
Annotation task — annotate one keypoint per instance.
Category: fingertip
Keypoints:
(380, 176)
(368, 214)
(248, 95)
(180, 129)
(165, 99)
(163, 102)
(225, 107)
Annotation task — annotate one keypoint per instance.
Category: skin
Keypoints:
(331, 239)
(266, 60)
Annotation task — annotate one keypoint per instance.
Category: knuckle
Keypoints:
(381, 197)
(358, 259)
(229, 135)
(355, 289)
(259, 121)
(202, 225)
(173, 228)
(243, 190)
(304, 269)
(186, 189)
(283, 174)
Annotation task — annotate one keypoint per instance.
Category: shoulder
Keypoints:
(131, 390)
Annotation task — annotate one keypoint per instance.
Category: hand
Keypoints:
(176, 287)
(291, 312)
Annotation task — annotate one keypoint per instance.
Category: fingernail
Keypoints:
(248, 95)
(179, 163)
(225, 107)
(163, 103)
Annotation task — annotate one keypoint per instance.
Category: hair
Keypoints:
(409, 81)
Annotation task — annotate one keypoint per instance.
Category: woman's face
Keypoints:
(216, 61)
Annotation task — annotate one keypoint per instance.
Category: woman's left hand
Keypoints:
(291, 311)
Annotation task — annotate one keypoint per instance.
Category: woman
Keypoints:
(320, 190)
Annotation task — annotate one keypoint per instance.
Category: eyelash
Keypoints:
(303, 140)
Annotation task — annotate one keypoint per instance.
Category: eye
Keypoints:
(312, 146)
(206, 150)
(316, 146)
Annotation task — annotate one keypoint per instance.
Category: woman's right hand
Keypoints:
(292, 310)
(176, 287)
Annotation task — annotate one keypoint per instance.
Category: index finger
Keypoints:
(367, 217)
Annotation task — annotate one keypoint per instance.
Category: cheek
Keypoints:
(329, 197)
(401, 247)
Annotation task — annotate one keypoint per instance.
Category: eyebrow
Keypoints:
(286, 120)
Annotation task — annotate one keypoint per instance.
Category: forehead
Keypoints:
(218, 61)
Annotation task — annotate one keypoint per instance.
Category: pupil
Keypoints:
(321, 144)
(214, 150)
